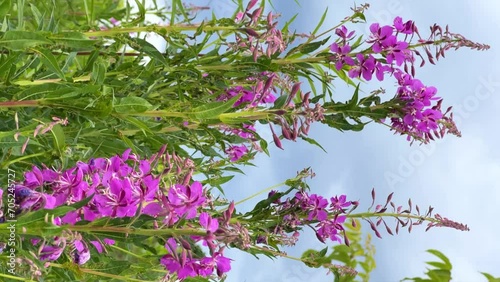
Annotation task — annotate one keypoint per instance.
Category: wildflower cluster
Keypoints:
(304, 209)
(419, 115)
(122, 186)
(119, 93)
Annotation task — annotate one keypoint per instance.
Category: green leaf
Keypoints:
(490, 277)
(18, 40)
(441, 256)
(323, 252)
(213, 110)
(342, 75)
(7, 62)
(139, 124)
(439, 275)
(316, 99)
(132, 104)
(313, 46)
(320, 22)
(359, 15)
(280, 102)
(38, 16)
(354, 100)
(220, 180)
(39, 216)
(263, 146)
(439, 265)
(149, 49)
(59, 138)
(5, 6)
(142, 14)
(82, 203)
(49, 61)
(73, 39)
(98, 72)
(313, 142)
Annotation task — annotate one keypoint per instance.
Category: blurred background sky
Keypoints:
(460, 177)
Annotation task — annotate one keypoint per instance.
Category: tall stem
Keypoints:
(158, 29)
(19, 104)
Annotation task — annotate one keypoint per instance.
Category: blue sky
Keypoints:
(458, 176)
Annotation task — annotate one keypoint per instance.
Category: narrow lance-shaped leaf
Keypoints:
(18, 40)
(149, 49)
(49, 61)
(129, 105)
(213, 110)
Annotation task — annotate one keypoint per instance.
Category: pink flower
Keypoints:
(236, 152)
(186, 199)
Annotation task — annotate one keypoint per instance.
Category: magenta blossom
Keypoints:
(365, 67)
(342, 55)
(379, 36)
(186, 199)
(236, 152)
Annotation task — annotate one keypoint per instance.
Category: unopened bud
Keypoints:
(251, 32)
(251, 4)
(285, 131)
(270, 19)
(185, 244)
(256, 14)
(256, 52)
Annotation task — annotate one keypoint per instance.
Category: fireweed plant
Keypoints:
(118, 152)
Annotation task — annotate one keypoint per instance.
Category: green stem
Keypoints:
(16, 278)
(7, 164)
(278, 254)
(260, 192)
(19, 104)
(300, 60)
(399, 215)
(160, 114)
(126, 251)
(133, 231)
(55, 80)
(158, 29)
(98, 273)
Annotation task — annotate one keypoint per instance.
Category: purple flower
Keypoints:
(114, 21)
(379, 36)
(405, 28)
(316, 205)
(117, 201)
(429, 120)
(338, 204)
(380, 69)
(330, 229)
(29, 199)
(365, 67)
(209, 223)
(186, 199)
(395, 51)
(342, 55)
(187, 269)
(236, 152)
(51, 253)
(344, 34)
(247, 132)
(81, 253)
(98, 245)
(218, 261)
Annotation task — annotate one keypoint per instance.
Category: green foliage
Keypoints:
(75, 86)
(358, 257)
(441, 270)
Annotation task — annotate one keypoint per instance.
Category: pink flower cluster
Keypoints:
(419, 115)
(306, 209)
(119, 187)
